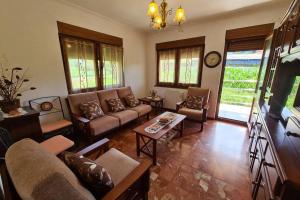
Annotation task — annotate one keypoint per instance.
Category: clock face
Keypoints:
(212, 59)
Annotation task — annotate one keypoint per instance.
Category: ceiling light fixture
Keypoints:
(159, 14)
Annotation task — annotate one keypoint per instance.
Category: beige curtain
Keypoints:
(189, 65)
(81, 63)
(167, 66)
(112, 59)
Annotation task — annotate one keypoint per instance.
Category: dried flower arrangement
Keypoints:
(12, 85)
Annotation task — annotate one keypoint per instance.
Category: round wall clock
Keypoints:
(212, 59)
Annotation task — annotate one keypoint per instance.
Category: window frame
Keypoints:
(181, 45)
(97, 38)
(67, 68)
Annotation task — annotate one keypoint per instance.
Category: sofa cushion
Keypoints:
(104, 95)
(194, 102)
(125, 116)
(115, 105)
(31, 168)
(142, 109)
(124, 92)
(131, 101)
(91, 110)
(117, 164)
(103, 124)
(76, 99)
(92, 175)
(191, 113)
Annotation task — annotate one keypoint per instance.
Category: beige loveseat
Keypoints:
(99, 126)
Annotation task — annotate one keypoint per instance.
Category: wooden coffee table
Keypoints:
(148, 138)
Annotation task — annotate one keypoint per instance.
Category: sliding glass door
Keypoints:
(239, 84)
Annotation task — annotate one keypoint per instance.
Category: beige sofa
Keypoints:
(99, 126)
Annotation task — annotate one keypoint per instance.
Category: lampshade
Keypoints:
(180, 15)
(157, 22)
(153, 9)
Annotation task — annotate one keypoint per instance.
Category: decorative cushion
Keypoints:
(91, 110)
(115, 105)
(194, 102)
(131, 101)
(92, 175)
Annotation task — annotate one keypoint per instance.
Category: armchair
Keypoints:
(193, 114)
(131, 178)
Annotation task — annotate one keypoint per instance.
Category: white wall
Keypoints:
(29, 38)
(214, 30)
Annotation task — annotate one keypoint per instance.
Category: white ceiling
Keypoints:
(133, 12)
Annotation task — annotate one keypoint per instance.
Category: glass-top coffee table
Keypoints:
(144, 138)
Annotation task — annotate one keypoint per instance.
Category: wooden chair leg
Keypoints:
(201, 126)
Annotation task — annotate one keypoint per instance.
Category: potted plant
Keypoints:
(12, 85)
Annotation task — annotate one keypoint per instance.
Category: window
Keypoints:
(167, 66)
(92, 60)
(112, 59)
(180, 63)
(82, 64)
(189, 65)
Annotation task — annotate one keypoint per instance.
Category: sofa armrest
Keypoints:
(179, 105)
(81, 119)
(130, 180)
(98, 146)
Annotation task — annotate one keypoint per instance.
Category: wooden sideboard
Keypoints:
(24, 126)
(274, 158)
(273, 153)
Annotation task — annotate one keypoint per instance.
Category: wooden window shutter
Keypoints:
(248, 38)
(244, 45)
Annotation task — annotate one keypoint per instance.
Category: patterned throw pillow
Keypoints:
(132, 101)
(91, 110)
(194, 102)
(94, 177)
(115, 105)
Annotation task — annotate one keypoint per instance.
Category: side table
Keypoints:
(23, 126)
(157, 103)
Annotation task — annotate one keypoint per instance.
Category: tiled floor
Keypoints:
(212, 164)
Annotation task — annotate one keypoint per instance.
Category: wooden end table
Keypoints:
(157, 102)
(148, 138)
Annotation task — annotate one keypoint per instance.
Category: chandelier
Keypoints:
(159, 14)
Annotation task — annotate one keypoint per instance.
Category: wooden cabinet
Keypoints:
(290, 30)
(263, 170)
(274, 154)
(274, 160)
(24, 126)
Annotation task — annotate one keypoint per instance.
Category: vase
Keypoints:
(8, 106)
